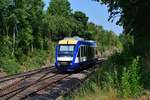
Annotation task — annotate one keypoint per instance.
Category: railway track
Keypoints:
(19, 86)
(10, 77)
(29, 84)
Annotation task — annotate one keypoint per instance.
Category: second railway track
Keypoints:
(25, 85)
(7, 78)
(22, 85)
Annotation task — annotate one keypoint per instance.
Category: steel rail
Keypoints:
(10, 77)
(48, 83)
(15, 83)
(26, 85)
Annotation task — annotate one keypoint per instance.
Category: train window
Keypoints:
(66, 50)
(79, 52)
(82, 51)
(92, 52)
(85, 51)
(88, 54)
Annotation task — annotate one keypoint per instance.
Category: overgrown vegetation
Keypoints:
(28, 33)
(135, 19)
(113, 81)
(125, 75)
(118, 78)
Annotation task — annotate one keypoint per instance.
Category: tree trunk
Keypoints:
(14, 40)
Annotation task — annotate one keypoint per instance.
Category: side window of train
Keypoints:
(79, 52)
(92, 51)
(86, 51)
(82, 51)
(88, 54)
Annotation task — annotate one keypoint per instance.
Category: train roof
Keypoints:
(75, 40)
(68, 41)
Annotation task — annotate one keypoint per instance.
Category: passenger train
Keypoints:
(73, 53)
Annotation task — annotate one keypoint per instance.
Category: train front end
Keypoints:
(65, 54)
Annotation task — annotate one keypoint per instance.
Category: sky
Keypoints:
(96, 12)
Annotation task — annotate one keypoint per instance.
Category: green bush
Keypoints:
(35, 60)
(111, 80)
(125, 84)
(10, 66)
(127, 81)
(131, 79)
(118, 78)
(8, 62)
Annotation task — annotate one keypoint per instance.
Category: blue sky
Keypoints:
(96, 12)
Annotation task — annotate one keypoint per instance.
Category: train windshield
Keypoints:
(66, 50)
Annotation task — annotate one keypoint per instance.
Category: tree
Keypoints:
(35, 10)
(60, 27)
(62, 23)
(107, 41)
(135, 18)
(81, 17)
(59, 8)
(18, 16)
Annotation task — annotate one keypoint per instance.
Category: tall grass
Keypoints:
(34, 60)
(112, 81)
(11, 64)
(8, 62)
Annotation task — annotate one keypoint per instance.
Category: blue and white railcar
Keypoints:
(72, 53)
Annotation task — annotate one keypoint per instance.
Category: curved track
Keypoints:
(23, 85)
(11, 77)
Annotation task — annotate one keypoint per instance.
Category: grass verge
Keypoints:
(118, 79)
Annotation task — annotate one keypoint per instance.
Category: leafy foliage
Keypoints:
(21, 32)
(108, 43)
(135, 18)
(118, 78)
(59, 8)
(8, 62)
(35, 60)
(27, 30)
(62, 23)
(107, 82)
(131, 79)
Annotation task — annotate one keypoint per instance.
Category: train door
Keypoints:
(84, 53)
(79, 55)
